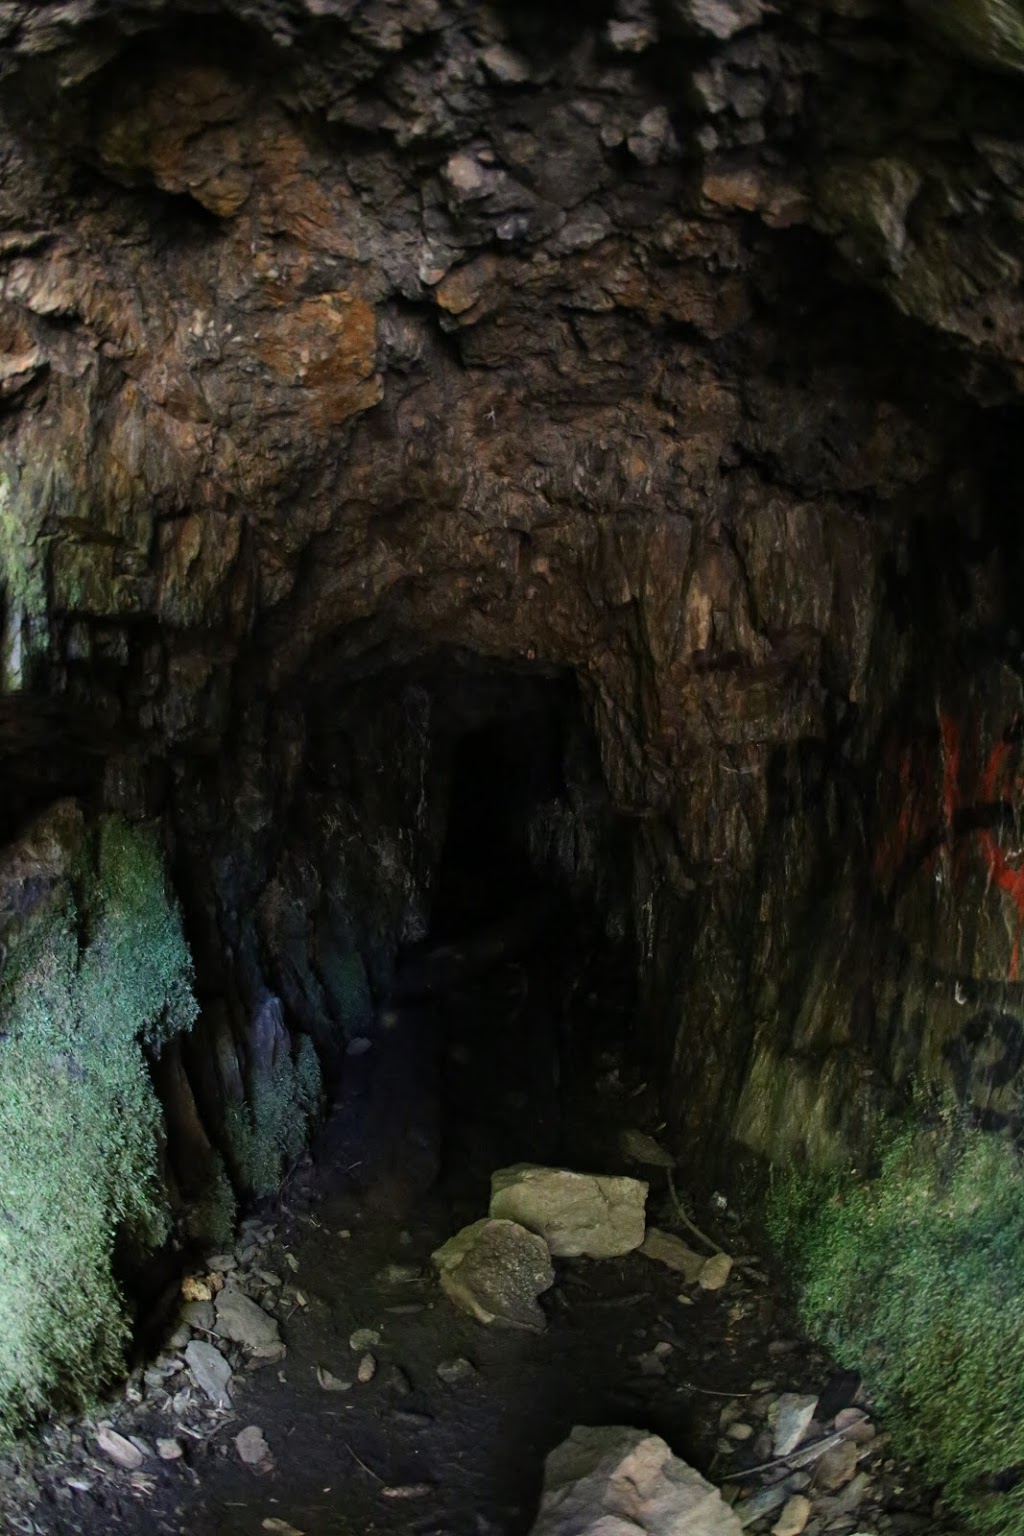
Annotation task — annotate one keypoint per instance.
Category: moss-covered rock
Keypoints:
(991, 31)
(95, 970)
(267, 1132)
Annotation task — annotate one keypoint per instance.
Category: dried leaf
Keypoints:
(281, 1527)
(407, 1491)
(330, 1382)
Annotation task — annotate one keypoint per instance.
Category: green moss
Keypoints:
(79, 1120)
(210, 1220)
(267, 1133)
(912, 1276)
(22, 584)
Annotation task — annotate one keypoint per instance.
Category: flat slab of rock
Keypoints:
(790, 1417)
(618, 1481)
(211, 1371)
(494, 1270)
(666, 1248)
(599, 1216)
(242, 1321)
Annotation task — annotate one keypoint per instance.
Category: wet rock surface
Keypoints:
(674, 351)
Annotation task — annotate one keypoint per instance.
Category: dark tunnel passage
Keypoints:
(514, 998)
(501, 771)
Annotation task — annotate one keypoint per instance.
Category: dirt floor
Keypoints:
(486, 1062)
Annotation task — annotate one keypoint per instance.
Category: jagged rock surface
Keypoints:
(678, 350)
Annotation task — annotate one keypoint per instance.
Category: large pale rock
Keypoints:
(575, 1213)
(495, 1270)
(241, 1320)
(618, 1481)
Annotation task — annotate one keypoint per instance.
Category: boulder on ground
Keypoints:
(618, 1481)
(596, 1215)
(494, 1271)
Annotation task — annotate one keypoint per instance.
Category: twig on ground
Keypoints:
(797, 1458)
(359, 1461)
(691, 1226)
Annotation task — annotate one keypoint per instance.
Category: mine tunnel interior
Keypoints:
(509, 991)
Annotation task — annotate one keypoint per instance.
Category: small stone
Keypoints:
(120, 1451)
(629, 36)
(764, 1502)
(454, 1372)
(740, 1431)
(251, 1446)
(641, 1148)
(837, 1466)
(199, 1315)
(651, 1364)
(222, 1261)
(364, 1338)
(464, 175)
(790, 1417)
(720, 19)
(169, 1450)
(508, 68)
(358, 1046)
(211, 1371)
(855, 1425)
(715, 1272)
(394, 1380)
(330, 1382)
(794, 1517)
(367, 1369)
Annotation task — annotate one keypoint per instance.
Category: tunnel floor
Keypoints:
(485, 1058)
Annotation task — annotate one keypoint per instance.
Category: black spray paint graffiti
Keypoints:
(987, 1054)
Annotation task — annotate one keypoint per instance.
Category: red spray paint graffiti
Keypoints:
(938, 805)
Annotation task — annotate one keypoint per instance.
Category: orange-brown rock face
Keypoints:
(652, 346)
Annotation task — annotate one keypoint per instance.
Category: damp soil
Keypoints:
(484, 1059)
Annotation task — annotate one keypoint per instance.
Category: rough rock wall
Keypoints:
(675, 344)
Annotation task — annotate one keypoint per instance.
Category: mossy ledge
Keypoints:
(98, 973)
(912, 1276)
